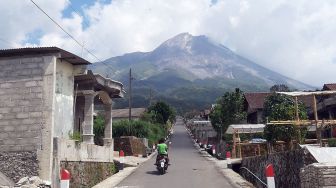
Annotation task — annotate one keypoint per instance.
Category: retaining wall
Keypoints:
(16, 165)
(318, 175)
(286, 165)
(88, 174)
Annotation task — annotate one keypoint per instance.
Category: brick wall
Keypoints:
(22, 102)
(318, 175)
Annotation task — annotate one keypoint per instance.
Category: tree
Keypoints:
(162, 112)
(229, 109)
(279, 107)
(279, 87)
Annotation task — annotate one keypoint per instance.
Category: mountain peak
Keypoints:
(181, 41)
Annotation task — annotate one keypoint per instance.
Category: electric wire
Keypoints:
(73, 38)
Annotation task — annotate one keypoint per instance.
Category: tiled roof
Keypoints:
(306, 100)
(123, 113)
(329, 86)
(71, 58)
(256, 100)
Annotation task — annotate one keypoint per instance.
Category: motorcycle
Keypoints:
(162, 164)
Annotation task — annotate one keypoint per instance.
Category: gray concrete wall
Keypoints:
(71, 150)
(64, 103)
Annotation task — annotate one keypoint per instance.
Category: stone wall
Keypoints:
(130, 145)
(16, 165)
(318, 175)
(286, 165)
(88, 174)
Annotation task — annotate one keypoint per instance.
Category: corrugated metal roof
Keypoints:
(307, 93)
(71, 58)
(245, 128)
(322, 154)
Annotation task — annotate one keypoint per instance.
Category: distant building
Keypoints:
(254, 106)
(204, 114)
(123, 114)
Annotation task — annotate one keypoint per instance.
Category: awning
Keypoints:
(245, 128)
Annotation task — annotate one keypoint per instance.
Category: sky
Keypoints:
(293, 37)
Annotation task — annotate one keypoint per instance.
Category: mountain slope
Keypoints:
(187, 61)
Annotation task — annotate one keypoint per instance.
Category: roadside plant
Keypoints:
(279, 107)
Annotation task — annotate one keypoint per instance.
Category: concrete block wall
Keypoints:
(21, 103)
(27, 90)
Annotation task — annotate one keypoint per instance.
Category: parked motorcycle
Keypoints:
(162, 164)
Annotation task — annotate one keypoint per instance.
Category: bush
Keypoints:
(140, 129)
(332, 142)
(98, 130)
(76, 135)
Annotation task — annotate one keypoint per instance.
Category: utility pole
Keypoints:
(130, 96)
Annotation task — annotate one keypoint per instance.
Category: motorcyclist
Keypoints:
(162, 149)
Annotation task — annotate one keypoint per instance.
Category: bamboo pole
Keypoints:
(297, 118)
(318, 131)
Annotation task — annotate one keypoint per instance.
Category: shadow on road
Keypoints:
(153, 172)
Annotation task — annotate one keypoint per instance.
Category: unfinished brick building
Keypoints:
(45, 95)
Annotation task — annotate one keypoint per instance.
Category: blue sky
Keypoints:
(294, 38)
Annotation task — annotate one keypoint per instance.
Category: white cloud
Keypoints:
(295, 38)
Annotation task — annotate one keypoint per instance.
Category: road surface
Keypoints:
(188, 168)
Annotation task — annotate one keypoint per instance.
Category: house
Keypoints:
(203, 131)
(123, 114)
(204, 114)
(254, 106)
(46, 95)
(326, 108)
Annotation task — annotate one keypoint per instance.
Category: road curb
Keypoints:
(115, 179)
(233, 178)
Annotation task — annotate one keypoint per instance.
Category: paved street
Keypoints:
(188, 169)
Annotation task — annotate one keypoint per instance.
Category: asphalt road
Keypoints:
(188, 168)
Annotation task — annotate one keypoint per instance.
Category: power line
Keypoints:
(88, 25)
(73, 38)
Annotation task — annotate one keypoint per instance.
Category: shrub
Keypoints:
(98, 130)
(140, 129)
(76, 135)
(332, 142)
